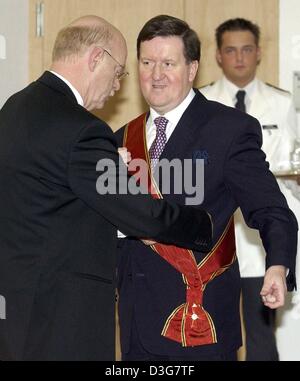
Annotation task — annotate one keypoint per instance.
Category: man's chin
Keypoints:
(157, 101)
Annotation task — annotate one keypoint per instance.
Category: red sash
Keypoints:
(189, 324)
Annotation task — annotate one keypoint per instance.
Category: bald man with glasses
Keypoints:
(58, 233)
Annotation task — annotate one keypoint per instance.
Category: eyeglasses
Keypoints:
(121, 75)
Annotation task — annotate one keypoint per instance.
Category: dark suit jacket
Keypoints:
(58, 235)
(236, 174)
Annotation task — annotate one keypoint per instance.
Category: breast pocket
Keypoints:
(276, 145)
(271, 129)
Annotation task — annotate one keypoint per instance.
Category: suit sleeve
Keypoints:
(136, 215)
(263, 205)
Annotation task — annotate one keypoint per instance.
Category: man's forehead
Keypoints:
(238, 35)
(238, 38)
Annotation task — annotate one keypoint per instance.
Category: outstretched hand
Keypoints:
(148, 242)
(125, 155)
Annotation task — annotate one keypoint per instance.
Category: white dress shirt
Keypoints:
(173, 117)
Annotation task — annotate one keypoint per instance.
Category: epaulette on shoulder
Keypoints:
(278, 88)
(210, 84)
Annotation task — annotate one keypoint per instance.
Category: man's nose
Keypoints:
(157, 71)
(239, 55)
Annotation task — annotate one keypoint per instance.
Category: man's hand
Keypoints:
(125, 155)
(274, 288)
(148, 242)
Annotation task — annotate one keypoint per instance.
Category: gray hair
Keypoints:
(75, 40)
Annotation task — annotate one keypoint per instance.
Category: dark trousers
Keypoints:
(259, 323)
(138, 353)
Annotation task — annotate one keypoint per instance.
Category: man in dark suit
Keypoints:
(58, 235)
(165, 312)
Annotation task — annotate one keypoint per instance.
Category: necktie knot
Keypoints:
(161, 124)
(240, 104)
(160, 140)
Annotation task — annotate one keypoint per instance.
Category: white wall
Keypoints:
(13, 47)
(288, 331)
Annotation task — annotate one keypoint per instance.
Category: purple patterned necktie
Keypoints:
(160, 140)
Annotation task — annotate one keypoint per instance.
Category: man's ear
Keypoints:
(96, 55)
(218, 57)
(193, 70)
(258, 55)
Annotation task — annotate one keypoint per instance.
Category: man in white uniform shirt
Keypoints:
(238, 54)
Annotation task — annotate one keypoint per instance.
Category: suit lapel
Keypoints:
(51, 80)
(183, 135)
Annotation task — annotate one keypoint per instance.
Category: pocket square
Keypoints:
(201, 154)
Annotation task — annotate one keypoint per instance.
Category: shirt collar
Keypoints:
(74, 91)
(233, 89)
(174, 115)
